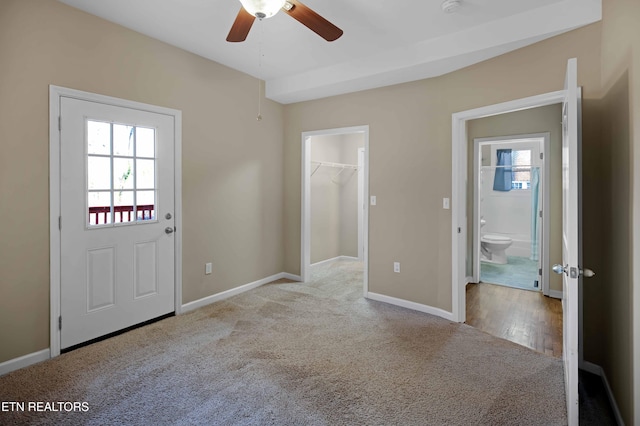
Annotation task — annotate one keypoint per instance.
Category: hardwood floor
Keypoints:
(524, 317)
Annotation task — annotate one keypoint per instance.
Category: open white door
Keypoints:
(571, 237)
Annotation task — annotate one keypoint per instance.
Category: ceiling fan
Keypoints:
(252, 9)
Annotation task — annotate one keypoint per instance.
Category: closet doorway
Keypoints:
(334, 189)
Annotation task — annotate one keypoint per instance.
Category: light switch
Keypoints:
(445, 203)
(373, 200)
(207, 268)
(396, 267)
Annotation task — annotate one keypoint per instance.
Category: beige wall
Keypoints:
(326, 198)
(242, 186)
(334, 197)
(535, 120)
(410, 156)
(232, 164)
(349, 201)
(615, 298)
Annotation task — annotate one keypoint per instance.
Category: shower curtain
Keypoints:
(535, 217)
(504, 176)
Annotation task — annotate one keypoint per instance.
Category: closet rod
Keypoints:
(338, 165)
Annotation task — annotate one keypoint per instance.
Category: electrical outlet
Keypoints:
(373, 200)
(396, 267)
(445, 203)
(207, 268)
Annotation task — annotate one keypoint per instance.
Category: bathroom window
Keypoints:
(521, 161)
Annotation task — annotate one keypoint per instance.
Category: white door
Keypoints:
(117, 208)
(571, 233)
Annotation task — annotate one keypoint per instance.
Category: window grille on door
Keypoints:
(121, 173)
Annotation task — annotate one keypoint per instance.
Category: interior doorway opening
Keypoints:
(510, 208)
(334, 187)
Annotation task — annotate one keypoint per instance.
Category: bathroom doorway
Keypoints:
(510, 239)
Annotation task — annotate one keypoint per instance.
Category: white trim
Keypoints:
(55, 94)
(599, 371)
(361, 203)
(334, 259)
(188, 307)
(411, 305)
(177, 217)
(305, 212)
(288, 276)
(24, 361)
(556, 294)
(458, 185)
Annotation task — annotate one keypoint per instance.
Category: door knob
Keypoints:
(559, 269)
(587, 273)
(168, 230)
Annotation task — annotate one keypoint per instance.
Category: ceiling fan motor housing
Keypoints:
(450, 6)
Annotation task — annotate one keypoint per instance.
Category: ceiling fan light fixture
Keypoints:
(262, 8)
(450, 6)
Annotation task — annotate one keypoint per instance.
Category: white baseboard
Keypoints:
(556, 294)
(24, 361)
(335, 259)
(190, 306)
(411, 305)
(288, 276)
(599, 371)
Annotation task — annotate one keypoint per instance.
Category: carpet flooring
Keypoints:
(286, 353)
(518, 272)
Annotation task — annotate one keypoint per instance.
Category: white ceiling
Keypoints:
(385, 41)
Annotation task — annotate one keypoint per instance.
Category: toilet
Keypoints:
(493, 248)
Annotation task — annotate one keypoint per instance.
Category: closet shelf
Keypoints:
(340, 166)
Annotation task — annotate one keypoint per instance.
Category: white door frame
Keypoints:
(544, 220)
(459, 148)
(361, 204)
(55, 95)
(305, 243)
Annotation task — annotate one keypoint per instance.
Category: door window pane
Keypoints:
(123, 173)
(146, 205)
(98, 173)
(145, 142)
(123, 207)
(123, 140)
(145, 170)
(99, 207)
(98, 137)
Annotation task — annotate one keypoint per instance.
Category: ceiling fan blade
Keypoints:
(241, 26)
(312, 20)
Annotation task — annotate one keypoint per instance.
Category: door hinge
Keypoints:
(540, 271)
(542, 156)
(59, 122)
(60, 223)
(459, 230)
(540, 213)
(60, 322)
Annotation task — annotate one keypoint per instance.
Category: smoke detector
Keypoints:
(450, 6)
